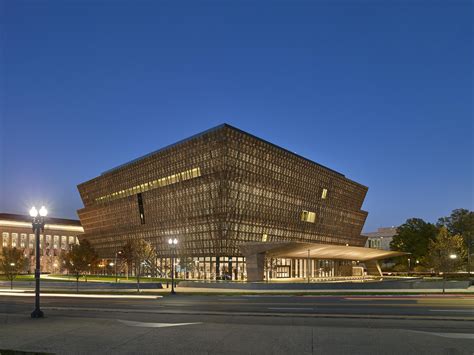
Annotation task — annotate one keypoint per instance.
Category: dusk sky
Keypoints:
(380, 91)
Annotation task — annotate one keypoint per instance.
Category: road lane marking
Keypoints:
(79, 295)
(290, 309)
(447, 335)
(233, 299)
(164, 310)
(153, 325)
(452, 310)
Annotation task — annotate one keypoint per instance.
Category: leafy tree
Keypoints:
(461, 221)
(127, 256)
(141, 254)
(80, 259)
(12, 261)
(414, 237)
(442, 248)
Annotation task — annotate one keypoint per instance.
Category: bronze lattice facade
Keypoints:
(216, 190)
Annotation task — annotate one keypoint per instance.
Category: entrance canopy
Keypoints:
(256, 252)
(318, 251)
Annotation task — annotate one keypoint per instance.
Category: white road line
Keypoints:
(233, 299)
(153, 325)
(447, 335)
(267, 296)
(290, 309)
(73, 295)
(452, 310)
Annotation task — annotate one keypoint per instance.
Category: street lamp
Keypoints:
(11, 278)
(172, 243)
(116, 276)
(38, 226)
(453, 256)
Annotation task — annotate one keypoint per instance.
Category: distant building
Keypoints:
(16, 231)
(380, 239)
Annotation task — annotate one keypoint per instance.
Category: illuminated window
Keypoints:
(14, 240)
(264, 238)
(324, 194)
(5, 237)
(23, 240)
(168, 180)
(140, 208)
(307, 216)
(31, 241)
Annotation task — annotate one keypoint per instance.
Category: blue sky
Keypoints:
(380, 91)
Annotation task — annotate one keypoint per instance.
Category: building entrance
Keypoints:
(283, 272)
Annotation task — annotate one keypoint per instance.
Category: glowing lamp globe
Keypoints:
(33, 212)
(43, 211)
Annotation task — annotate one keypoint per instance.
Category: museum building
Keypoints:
(220, 192)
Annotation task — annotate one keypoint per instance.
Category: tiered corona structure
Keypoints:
(217, 190)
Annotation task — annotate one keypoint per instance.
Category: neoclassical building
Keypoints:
(215, 192)
(58, 236)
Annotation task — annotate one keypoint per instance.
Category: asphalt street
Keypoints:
(399, 306)
(262, 324)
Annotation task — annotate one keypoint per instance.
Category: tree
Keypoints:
(414, 237)
(79, 259)
(139, 254)
(446, 252)
(461, 221)
(127, 256)
(12, 261)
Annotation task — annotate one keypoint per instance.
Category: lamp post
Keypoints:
(38, 226)
(444, 265)
(11, 278)
(116, 276)
(307, 266)
(172, 243)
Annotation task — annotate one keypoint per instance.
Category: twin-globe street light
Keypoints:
(38, 226)
(172, 243)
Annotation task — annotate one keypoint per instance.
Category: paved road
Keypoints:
(243, 324)
(433, 306)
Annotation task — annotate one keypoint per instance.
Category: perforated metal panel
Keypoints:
(246, 188)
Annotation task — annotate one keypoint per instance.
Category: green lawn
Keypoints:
(106, 278)
(19, 278)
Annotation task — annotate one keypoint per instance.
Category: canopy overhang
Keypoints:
(255, 253)
(319, 251)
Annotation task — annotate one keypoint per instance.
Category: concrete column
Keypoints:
(255, 267)
(373, 268)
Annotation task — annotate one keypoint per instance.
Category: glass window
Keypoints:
(5, 239)
(308, 216)
(31, 241)
(23, 240)
(56, 241)
(324, 194)
(14, 240)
